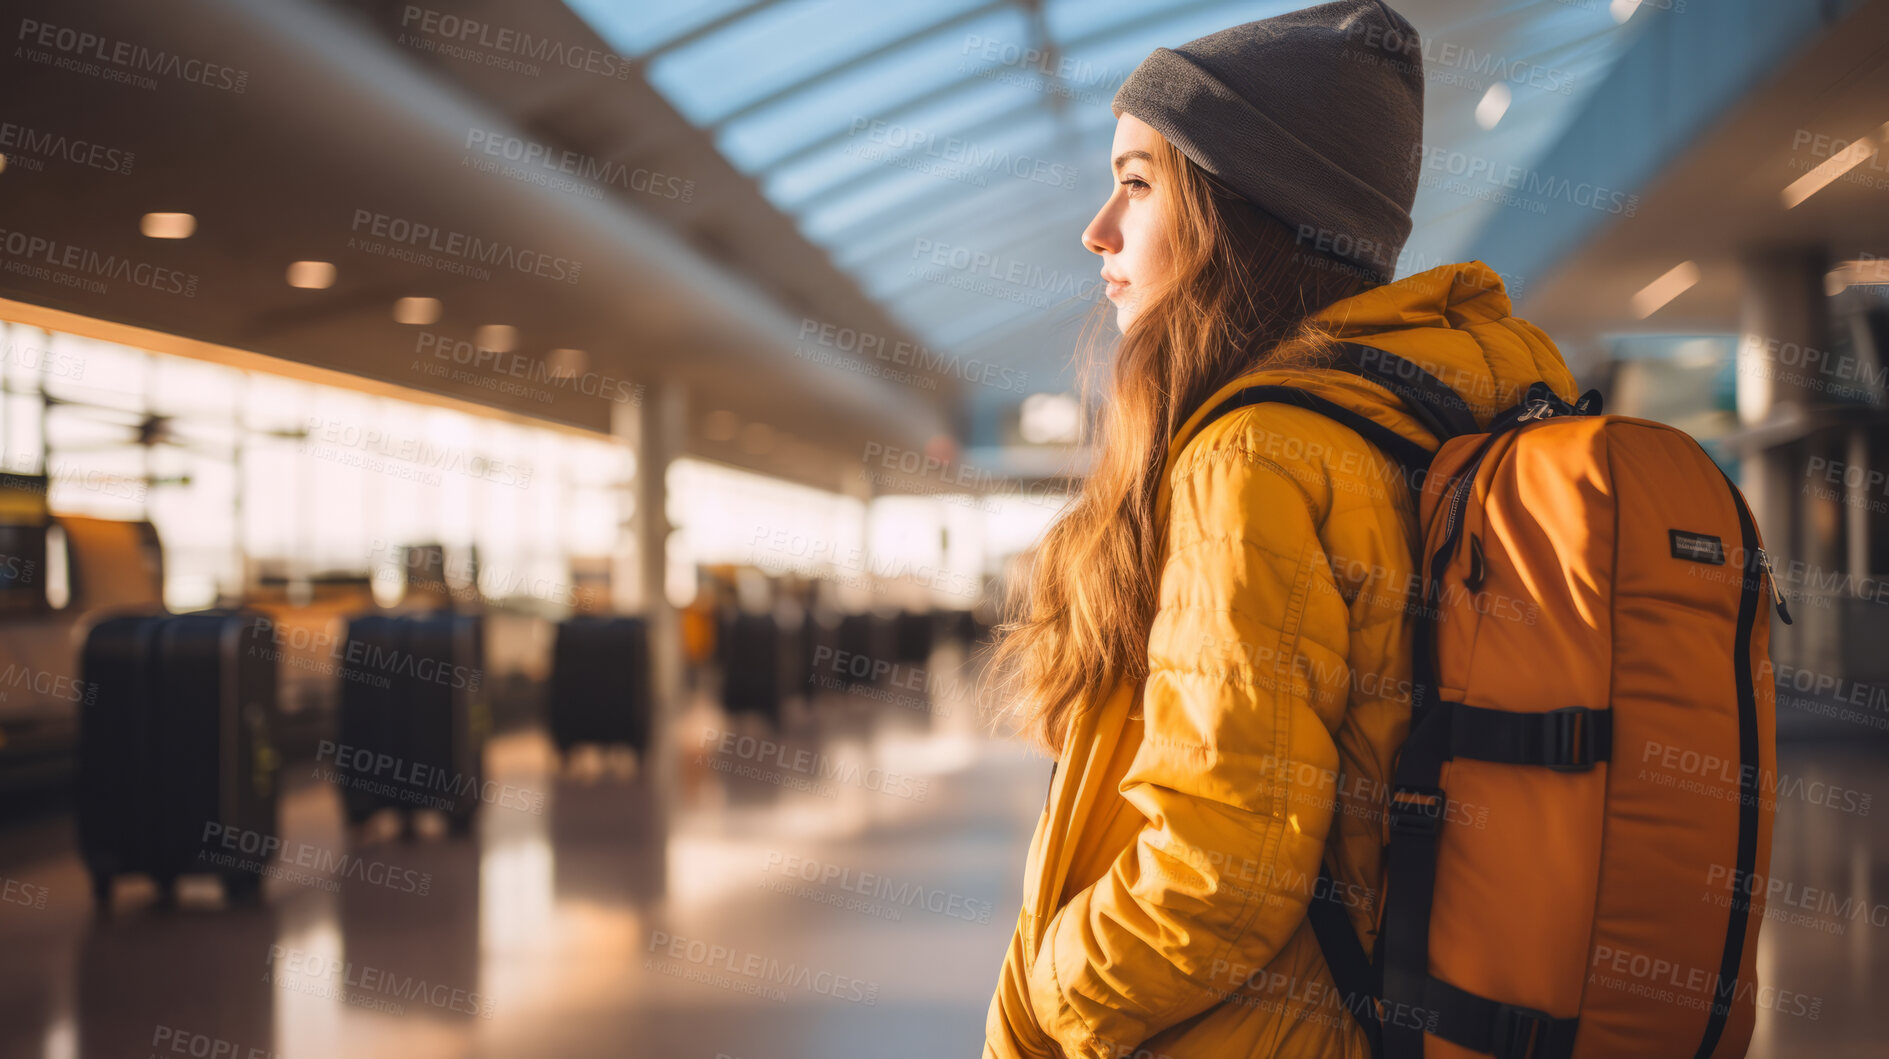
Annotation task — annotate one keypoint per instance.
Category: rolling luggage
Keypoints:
(176, 751)
(413, 716)
(753, 675)
(600, 683)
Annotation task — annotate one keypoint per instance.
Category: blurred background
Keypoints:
(652, 399)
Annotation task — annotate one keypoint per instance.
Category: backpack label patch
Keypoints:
(1697, 547)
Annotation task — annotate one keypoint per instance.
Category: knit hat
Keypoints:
(1315, 116)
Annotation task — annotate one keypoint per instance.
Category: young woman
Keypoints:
(1215, 643)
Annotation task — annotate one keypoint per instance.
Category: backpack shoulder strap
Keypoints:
(1436, 405)
(1413, 459)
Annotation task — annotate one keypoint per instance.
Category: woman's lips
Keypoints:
(1115, 289)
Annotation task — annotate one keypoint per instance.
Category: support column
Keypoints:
(1782, 317)
(656, 427)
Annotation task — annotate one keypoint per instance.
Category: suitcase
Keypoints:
(600, 683)
(415, 715)
(753, 682)
(912, 635)
(177, 720)
(370, 710)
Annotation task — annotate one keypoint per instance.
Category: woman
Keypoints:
(1215, 643)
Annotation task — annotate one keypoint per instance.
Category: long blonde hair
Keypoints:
(1237, 298)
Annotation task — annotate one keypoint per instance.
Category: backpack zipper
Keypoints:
(1777, 594)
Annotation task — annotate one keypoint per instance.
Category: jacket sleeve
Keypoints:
(1236, 771)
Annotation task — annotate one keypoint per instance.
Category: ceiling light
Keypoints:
(566, 363)
(720, 425)
(757, 439)
(417, 311)
(1495, 103)
(168, 225)
(499, 338)
(311, 275)
(1654, 296)
(1834, 167)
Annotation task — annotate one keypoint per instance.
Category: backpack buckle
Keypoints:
(1522, 1033)
(1568, 741)
(1416, 811)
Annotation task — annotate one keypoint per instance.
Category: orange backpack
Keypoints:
(1590, 669)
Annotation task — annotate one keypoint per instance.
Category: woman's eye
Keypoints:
(1135, 185)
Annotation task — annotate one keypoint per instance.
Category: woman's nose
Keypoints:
(1102, 236)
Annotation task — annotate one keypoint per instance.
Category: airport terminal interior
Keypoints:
(584, 449)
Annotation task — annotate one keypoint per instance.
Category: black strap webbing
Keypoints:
(1566, 740)
(1505, 1031)
(1344, 955)
(1440, 409)
(1413, 459)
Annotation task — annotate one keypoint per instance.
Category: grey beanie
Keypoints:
(1315, 116)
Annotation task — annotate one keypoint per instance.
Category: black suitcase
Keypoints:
(600, 683)
(414, 716)
(447, 725)
(368, 725)
(753, 681)
(913, 636)
(176, 750)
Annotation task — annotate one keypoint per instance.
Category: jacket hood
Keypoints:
(1454, 321)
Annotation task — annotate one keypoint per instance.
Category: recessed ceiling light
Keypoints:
(566, 362)
(1654, 296)
(417, 311)
(757, 439)
(720, 425)
(311, 275)
(168, 225)
(499, 338)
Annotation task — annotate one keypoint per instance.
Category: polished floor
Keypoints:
(853, 901)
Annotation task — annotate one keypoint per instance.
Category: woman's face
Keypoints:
(1131, 230)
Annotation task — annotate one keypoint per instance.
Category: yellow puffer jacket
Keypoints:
(1165, 891)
